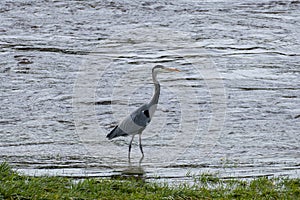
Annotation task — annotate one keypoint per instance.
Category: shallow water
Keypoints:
(70, 71)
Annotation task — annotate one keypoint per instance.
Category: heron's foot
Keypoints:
(129, 157)
(141, 148)
(141, 159)
(129, 160)
(129, 150)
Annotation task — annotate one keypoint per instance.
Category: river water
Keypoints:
(70, 70)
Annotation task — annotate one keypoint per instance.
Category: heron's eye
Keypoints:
(146, 113)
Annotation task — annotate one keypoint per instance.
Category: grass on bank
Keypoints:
(15, 186)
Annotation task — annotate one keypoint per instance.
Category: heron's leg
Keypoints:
(140, 161)
(141, 147)
(130, 146)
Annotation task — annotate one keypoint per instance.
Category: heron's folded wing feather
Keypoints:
(129, 126)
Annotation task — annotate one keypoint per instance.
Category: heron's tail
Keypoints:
(116, 132)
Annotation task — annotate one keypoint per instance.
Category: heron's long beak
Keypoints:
(173, 69)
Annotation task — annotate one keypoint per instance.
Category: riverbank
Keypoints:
(17, 186)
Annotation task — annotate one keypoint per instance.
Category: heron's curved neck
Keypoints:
(155, 97)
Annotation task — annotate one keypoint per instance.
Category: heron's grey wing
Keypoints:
(133, 124)
(141, 116)
(126, 127)
(116, 132)
(130, 126)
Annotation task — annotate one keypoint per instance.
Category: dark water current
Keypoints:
(70, 70)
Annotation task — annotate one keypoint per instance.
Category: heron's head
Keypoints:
(161, 68)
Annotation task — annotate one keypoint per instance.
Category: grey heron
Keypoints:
(136, 122)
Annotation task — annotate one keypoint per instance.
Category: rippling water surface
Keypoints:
(69, 71)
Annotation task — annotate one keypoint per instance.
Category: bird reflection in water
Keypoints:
(134, 171)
